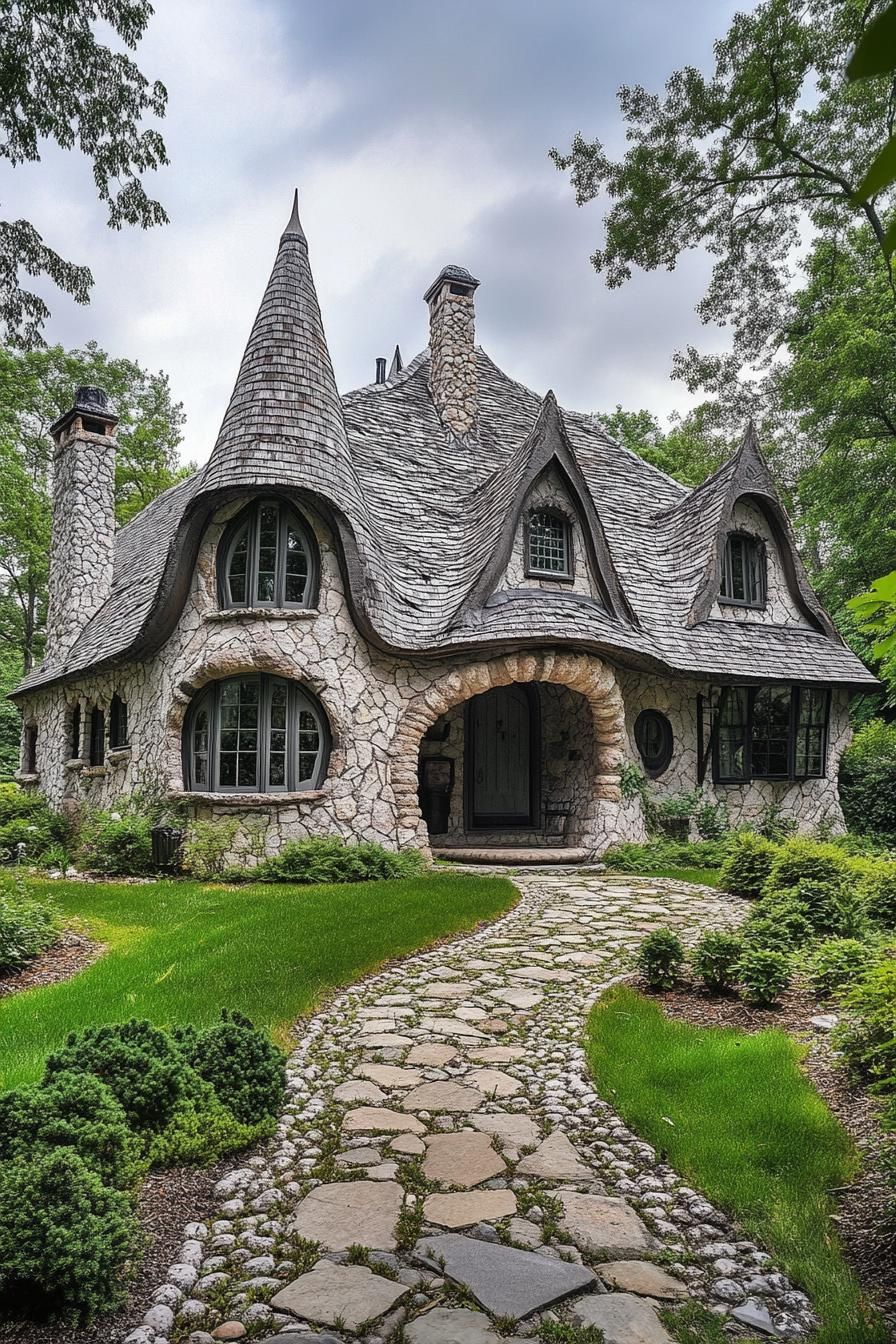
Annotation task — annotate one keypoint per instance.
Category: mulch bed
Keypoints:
(71, 952)
(861, 1206)
(167, 1201)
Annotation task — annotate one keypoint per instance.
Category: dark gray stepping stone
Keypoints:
(503, 1281)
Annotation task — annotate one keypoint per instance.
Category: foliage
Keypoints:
(557, 1332)
(777, 924)
(659, 855)
(633, 782)
(76, 1111)
(867, 1034)
(834, 964)
(27, 819)
(763, 975)
(693, 1323)
(711, 820)
(115, 844)
(66, 1239)
(141, 1065)
(734, 1114)
(875, 54)
(868, 781)
(773, 825)
(27, 927)
(876, 892)
(206, 847)
(747, 863)
(61, 83)
(243, 1065)
(660, 959)
(715, 960)
(875, 612)
(820, 878)
(331, 860)
(201, 1130)
(685, 451)
(10, 719)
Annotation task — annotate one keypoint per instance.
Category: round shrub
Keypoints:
(243, 1065)
(715, 960)
(142, 1066)
(868, 781)
(202, 1131)
(323, 860)
(27, 819)
(74, 1111)
(660, 959)
(836, 963)
(66, 1239)
(747, 864)
(831, 907)
(763, 975)
(777, 925)
(867, 1035)
(116, 846)
(801, 860)
(876, 892)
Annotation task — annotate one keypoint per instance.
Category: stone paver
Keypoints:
(525, 1152)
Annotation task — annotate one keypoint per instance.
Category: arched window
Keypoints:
(744, 571)
(255, 734)
(266, 559)
(548, 545)
(653, 738)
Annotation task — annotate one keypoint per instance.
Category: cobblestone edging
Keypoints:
(439, 1113)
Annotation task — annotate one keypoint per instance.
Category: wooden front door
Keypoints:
(500, 756)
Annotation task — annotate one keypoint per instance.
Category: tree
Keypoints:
(36, 387)
(59, 82)
(689, 450)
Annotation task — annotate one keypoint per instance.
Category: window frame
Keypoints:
(119, 735)
(29, 749)
(248, 520)
(76, 732)
(797, 691)
(97, 739)
(299, 699)
(756, 548)
(660, 763)
(560, 576)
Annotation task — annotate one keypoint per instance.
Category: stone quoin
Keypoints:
(439, 612)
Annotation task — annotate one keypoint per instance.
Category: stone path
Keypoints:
(445, 1173)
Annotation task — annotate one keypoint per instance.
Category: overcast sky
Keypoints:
(417, 132)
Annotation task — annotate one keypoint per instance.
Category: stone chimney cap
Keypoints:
(457, 274)
(92, 401)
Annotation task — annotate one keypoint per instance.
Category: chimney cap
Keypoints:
(92, 401)
(452, 274)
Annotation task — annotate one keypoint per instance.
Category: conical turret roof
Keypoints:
(284, 424)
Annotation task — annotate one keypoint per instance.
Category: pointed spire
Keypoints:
(750, 441)
(397, 364)
(284, 423)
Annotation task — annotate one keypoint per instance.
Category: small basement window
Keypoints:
(548, 549)
(744, 571)
(118, 723)
(97, 736)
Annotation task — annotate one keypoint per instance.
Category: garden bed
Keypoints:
(72, 952)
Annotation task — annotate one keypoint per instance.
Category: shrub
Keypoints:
(141, 1065)
(711, 820)
(876, 891)
(772, 825)
(202, 1130)
(777, 925)
(868, 781)
(763, 975)
(27, 927)
(116, 845)
(330, 860)
(207, 846)
(836, 963)
(660, 855)
(65, 1237)
(867, 1035)
(715, 960)
(73, 1111)
(831, 908)
(660, 959)
(802, 860)
(26, 819)
(748, 863)
(243, 1065)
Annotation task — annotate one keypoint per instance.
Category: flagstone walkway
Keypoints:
(444, 1169)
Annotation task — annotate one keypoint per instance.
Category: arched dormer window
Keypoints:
(744, 571)
(548, 545)
(255, 734)
(267, 558)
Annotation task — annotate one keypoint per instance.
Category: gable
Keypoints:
(781, 607)
(551, 493)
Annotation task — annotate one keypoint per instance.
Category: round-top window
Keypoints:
(653, 738)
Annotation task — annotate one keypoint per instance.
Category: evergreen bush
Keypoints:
(28, 926)
(747, 864)
(715, 960)
(876, 892)
(327, 860)
(868, 781)
(837, 963)
(116, 845)
(27, 820)
(243, 1065)
(660, 959)
(776, 925)
(763, 975)
(867, 1034)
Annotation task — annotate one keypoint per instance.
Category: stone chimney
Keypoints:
(452, 357)
(83, 539)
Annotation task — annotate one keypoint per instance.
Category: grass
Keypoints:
(738, 1119)
(180, 951)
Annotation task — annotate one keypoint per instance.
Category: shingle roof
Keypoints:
(423, 518)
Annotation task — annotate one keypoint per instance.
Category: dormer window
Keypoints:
(744, 571)
(548, 545)
(266, 559)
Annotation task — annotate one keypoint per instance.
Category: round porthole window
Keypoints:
(653, 738)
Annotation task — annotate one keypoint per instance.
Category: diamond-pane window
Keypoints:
(548, 544)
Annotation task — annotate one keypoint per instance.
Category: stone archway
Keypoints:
(589, 676)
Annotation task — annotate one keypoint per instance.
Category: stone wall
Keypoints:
(780, 608)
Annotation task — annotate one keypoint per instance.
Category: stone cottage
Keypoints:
(437, 611)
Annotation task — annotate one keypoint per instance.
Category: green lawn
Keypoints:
(180, 951)
(748, 1129)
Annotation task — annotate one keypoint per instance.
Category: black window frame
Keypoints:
(118, 723)
(299, 699)
(721, 699)
(97, 736)
(657, 765)
(76, 733)
(29, 749)
(532, 571)
(754, 564)
(248, 521)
